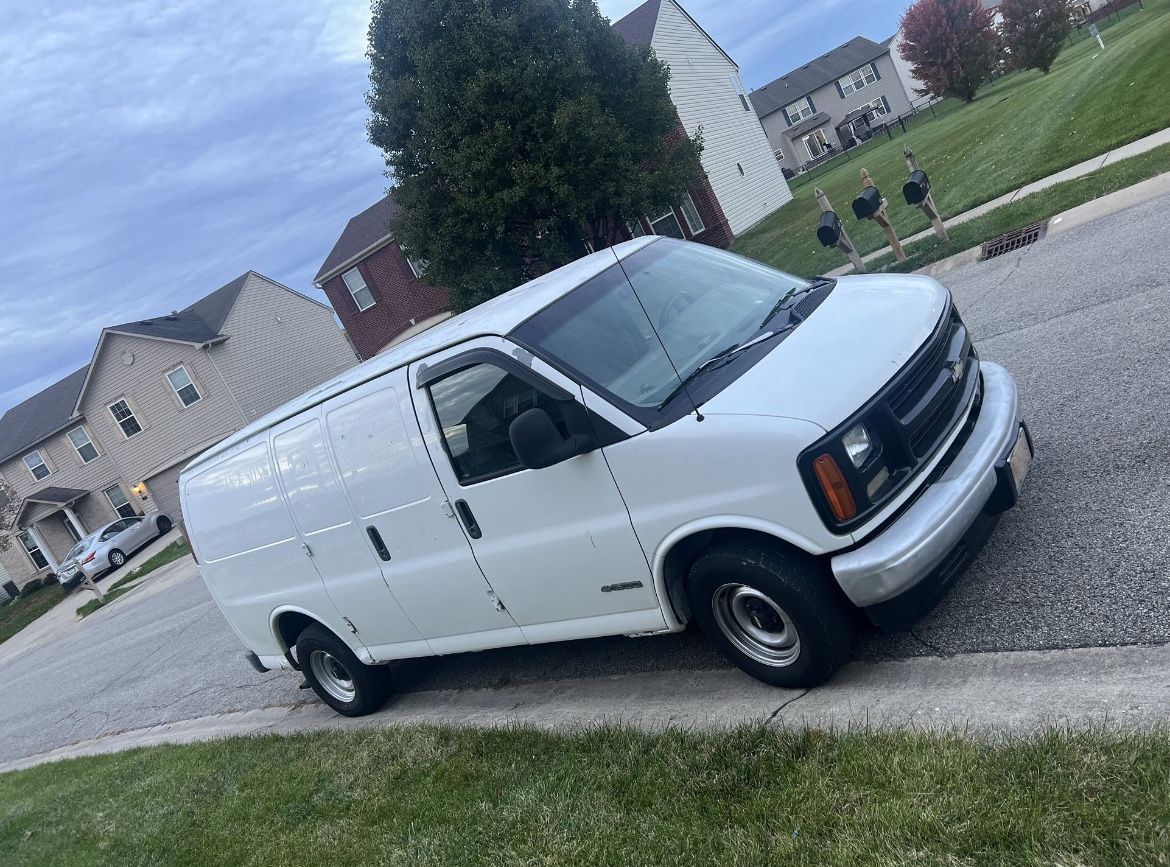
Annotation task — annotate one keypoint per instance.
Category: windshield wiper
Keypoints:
(720, 358)
(791, 293)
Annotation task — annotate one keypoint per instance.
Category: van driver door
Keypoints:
(556, 544)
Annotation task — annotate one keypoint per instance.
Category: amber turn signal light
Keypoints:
(835, 487)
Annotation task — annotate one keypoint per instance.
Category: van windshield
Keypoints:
(681, 305)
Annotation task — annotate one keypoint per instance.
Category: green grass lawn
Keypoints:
(1030, 209)
(23, 610)
(1023, 127)
(169, 554)
(606, 796)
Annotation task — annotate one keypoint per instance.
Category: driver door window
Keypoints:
(475, 408)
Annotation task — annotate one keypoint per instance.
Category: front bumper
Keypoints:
(952, 513)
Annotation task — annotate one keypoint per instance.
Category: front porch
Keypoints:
(48, 526)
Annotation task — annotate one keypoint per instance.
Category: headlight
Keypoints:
(858, 445)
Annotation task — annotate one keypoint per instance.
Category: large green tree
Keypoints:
(515, 132)
(1034, 31)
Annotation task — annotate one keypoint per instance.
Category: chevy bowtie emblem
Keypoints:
(956, 371)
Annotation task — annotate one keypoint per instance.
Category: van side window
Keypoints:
(475, 407)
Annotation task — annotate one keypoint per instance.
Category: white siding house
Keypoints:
(708, 94)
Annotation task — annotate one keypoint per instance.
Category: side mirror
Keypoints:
(538, 443)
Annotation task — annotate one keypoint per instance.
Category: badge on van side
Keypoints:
(625, 585)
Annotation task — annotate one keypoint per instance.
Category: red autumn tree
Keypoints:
(952, 45)
(1034, 31)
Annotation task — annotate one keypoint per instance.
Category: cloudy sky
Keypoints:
(152, 152)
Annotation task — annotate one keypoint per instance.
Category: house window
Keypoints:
(857, 79)
(36, 465)
(799, 110)
(362, 296)
(691, 213)
(34, 552)
(84, 446)
(635, 228)
(740, 91)
(667, 225)
(817, 144)
(125, 418)
(418, 267)
(120, 501)
(184, 388)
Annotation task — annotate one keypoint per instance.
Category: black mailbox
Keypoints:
(916, 188)
(867, 204)
(829, 231)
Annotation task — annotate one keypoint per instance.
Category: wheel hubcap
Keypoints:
(756, 625)
(332, 675)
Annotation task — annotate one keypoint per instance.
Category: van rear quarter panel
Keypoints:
(249, 552)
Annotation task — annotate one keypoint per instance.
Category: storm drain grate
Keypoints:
(1014, 240)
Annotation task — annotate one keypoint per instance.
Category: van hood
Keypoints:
(838, 358)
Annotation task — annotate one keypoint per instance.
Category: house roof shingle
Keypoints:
(826, 69)
(198, 323)
(637, 27)
(360, 233)
(44, 413)
(56, 496)
(806, 125)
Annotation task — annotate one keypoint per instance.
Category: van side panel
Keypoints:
(393, 488)
(341, 553)
(250, 556)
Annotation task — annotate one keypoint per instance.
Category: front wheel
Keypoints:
(339, 678)
(779, 617)
(164, 525)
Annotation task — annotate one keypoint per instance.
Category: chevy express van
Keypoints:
(658, 433)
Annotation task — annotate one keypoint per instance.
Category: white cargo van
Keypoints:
(658, 433)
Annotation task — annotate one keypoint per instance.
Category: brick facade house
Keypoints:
(374, 287)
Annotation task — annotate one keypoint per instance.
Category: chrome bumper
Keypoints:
(906, 551)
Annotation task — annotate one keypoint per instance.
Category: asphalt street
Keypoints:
(1082, 320)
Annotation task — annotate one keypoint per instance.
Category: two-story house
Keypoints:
(830, 103)
(378, 291)
(111, 438)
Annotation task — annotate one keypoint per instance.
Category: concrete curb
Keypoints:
(980, 694)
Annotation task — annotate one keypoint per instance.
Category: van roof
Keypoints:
(497, 316)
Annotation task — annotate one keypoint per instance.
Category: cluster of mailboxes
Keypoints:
(869, 202)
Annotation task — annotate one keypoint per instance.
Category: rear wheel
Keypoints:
(117, 558)
(777, 616)
(339, 678)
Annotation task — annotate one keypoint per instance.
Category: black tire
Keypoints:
(371, 683)
(118, 556)
(808, 601)
(164, 525)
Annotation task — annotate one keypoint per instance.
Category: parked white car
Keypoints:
(110, 547)
(658, 433)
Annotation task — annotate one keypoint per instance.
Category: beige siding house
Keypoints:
(111, 438)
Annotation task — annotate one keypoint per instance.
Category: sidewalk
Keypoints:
(1123, 687)
(1073, 172)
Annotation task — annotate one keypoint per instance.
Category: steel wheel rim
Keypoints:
(332, 675)
(757, 626)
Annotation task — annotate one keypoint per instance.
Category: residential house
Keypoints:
(111, 438)
(377, 290)
(830, 103)
(375, 287)
(911, 84)
(743, 184)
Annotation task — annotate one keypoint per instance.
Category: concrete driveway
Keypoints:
(1082, 319)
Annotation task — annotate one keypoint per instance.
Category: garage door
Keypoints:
(164, 488)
